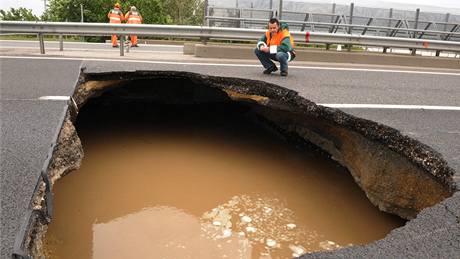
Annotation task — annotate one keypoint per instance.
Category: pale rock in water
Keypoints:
(246, 219)
(270, 242)
(291, 226)
(297, 250)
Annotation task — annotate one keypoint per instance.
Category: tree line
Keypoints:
(186, 12)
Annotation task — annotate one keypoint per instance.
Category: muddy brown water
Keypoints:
(203, 182)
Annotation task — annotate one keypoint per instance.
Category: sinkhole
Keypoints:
(181, 165)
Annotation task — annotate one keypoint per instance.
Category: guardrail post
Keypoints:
(390, 20)
(41, 42)
(204, 40)
(238, 13)
(446, 20)
(280, 10)
(328, 45)
(82, 20)
(61, 43)
(122, 45)
(332, 17)
(333, 12)
(211, 13)
(307, 17)
(417, 15)
(205, 13)
(350, 21)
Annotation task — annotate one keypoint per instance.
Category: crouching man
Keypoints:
(276, 44)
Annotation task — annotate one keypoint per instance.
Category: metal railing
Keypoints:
(207, 33)
(334, 27)
(331, 22)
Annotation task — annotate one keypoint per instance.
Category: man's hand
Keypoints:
(265, 49)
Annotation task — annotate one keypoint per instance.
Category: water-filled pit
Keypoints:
(175, 169)
(202, 181)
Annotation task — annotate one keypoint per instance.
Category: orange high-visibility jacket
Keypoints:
(278, 38)
(115, 16)
(133, 17)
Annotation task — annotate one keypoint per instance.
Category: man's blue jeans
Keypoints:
(266, 59)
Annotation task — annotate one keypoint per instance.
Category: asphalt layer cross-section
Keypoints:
(29, 126)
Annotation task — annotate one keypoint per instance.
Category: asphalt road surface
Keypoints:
(29, 125)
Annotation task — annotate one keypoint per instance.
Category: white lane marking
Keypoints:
(331, 105)
(391, 106)
(237, 65)
(380, 70)
(55, 98)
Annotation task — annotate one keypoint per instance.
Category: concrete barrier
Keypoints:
(189, 48)
(243, 52)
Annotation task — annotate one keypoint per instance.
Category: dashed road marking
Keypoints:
(390, 106)
(55, 98)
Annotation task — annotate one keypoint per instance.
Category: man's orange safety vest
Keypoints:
(133, 17)
(278, 38)
(115, 16)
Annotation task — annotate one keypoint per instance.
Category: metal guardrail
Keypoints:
(331, 25)
(206, 33)
(321, 15)
(331, 22)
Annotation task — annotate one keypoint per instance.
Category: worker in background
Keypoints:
(133, 17)
(115, 16)
(276, 44)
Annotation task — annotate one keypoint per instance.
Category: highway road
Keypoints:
(29, 124)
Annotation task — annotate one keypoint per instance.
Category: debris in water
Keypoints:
(251, 229)
(246, 219)
(297, 250)
(291, 226)
(264, 223)
(329, 245)
(270, 242)
(227, 233)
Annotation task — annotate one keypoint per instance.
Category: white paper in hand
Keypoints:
(273, 49)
